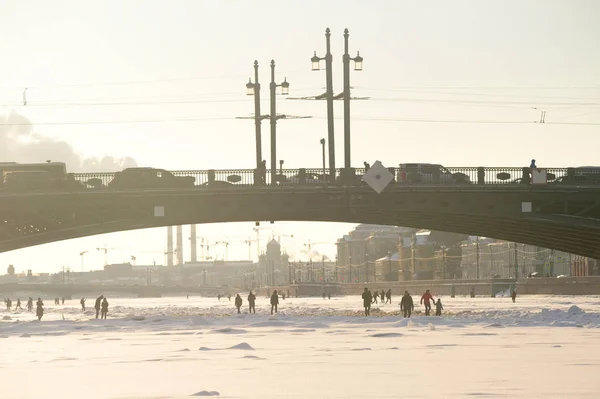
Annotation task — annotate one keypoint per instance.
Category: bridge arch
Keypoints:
(32, 219)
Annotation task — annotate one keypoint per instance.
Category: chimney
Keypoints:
(170, 246)
(193, 257)
(179, 250)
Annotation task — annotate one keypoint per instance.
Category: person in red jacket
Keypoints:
(427, 297)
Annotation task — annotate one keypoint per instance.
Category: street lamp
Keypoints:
(323, 150)
(329, 77)
(254, 89)
(358, 60)
(285, 89)
(81, 254)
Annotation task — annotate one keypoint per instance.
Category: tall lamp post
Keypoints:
(254, 89)
(285, 90)
(82, 253)
(357, 67)
(329, 77)
(323, 151)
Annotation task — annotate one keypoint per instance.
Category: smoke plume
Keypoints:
(19, 143)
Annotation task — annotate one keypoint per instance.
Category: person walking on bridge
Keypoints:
(407, 305)
(97, 304)
(238, 302)
(251, 303)
(427, 298)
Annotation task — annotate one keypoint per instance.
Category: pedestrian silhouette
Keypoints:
(427, 297)
(382, 296)
(18, 304)
(97, 304)
(29, 304)
(438, 307)
(374, 296)
(388, 296)
(367, 298)
(104, 308)
(274, 301)
(238, 302)
(251, 303)
(513, 295)
(39, 311)
(82, 302)
(406, 305)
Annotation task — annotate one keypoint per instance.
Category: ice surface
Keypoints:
(539, 347)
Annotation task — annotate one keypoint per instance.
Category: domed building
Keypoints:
(273, 265)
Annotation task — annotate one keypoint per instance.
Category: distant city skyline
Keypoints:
(105, 85)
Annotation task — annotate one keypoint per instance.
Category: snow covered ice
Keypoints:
(539, 347)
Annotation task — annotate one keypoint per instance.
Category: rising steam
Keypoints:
(19, 143)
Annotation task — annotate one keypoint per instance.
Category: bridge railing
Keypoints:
(316, 176)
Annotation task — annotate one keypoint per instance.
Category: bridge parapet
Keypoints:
(424, 174)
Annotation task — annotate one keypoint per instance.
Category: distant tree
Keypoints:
(10, 270)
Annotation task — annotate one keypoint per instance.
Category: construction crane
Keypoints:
(204, 246)
(226, 243)
(165, 253)
(105, 250)
(309, 246)
(249, 242)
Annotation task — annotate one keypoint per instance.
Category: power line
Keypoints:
(117, 122)
(374, 119)
(133, 82)
(524, 103)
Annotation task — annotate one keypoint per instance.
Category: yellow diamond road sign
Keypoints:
(378, 177)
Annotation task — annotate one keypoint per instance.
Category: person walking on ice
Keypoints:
(367, 299)
(274, 301)
(438, 307)
(513, 295)
(104, 308)
(251, 303)
(427, 298)
(407, 305)
(238, 302)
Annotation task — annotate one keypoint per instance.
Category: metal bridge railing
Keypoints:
(443, 176)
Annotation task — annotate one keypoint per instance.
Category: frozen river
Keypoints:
(539, 347)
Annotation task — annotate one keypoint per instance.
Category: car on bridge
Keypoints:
(132, 178)
(429, 173)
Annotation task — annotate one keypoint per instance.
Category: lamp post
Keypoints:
(329, 78)
(357, 67)
(323, 151)
(254, 89)
(390, 264)
(367, 267)
(285, 90)
(82, 253)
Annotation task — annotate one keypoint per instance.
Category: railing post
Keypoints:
(570, 175)
(302, 176)
(526, 176)
(481, 175)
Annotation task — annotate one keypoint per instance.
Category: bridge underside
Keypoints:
(565, 220)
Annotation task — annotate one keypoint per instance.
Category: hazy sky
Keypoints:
(482, 64)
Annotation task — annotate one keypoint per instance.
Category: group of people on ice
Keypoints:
(407, 305)
(274, 299)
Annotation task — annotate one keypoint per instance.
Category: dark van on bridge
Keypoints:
(132, 178)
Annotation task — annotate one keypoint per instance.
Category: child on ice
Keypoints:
(438, 307)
